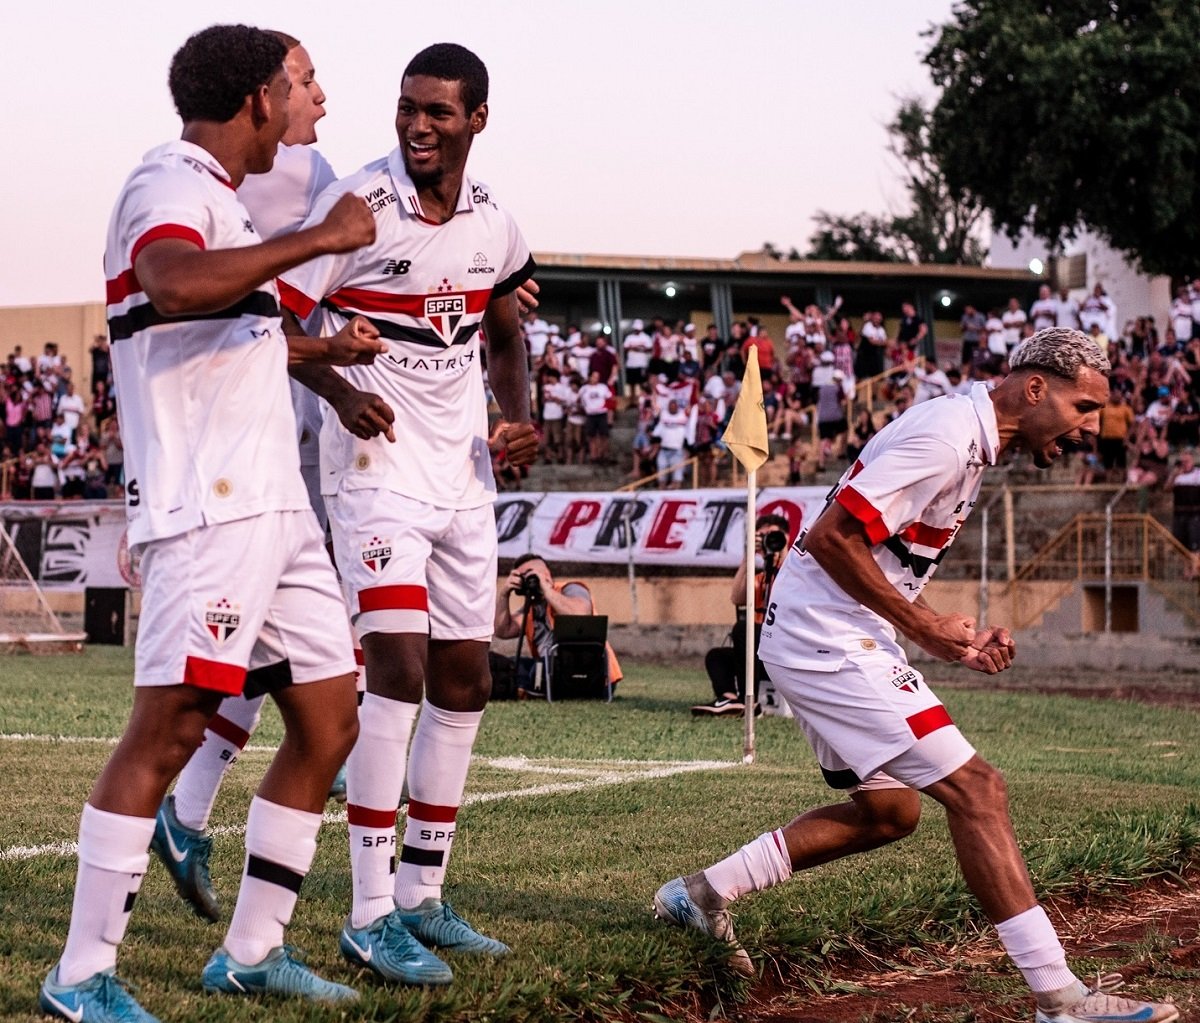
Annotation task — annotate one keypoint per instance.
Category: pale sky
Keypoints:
(649, 127)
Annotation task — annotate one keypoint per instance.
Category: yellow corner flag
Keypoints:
(746, 434)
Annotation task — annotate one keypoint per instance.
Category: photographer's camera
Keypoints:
(530, 587)
(774, 542)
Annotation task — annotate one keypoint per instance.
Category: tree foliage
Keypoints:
(1062, 114)
(939, 226)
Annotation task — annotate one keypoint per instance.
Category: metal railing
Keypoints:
(1108, 548)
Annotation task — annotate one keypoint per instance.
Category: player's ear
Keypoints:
(479, 119)
(259, 104)
(1036, 388)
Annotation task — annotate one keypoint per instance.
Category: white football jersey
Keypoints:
(425, 286)
(203, 398)
(912, 488)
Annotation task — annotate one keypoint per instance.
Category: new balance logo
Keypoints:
(399, 267)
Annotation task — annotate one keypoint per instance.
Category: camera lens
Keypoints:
(774, 542)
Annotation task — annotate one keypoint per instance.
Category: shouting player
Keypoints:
(829, 644)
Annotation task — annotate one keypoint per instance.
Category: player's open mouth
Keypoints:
(421, 149)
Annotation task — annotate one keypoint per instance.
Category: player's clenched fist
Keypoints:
(991, 650)
(520, 443)
(947, 637)
(349, 224)
(365, 415)
(356, 344)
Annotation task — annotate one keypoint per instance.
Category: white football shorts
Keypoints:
(874, 722)
(259, 592)
(407, 566)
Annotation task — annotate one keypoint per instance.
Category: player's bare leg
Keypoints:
(872, 818)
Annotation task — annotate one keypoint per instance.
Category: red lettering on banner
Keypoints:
(791, 511)
(577, 513)
(670, 513)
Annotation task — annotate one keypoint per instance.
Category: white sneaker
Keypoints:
(691, 902)
(1100, 1005)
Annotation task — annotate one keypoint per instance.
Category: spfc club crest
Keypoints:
(376, 554)
(444, 313)
(222, 618)
(905, 681)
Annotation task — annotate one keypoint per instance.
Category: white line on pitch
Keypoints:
(654, 769)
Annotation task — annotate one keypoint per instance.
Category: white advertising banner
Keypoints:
(689, 528)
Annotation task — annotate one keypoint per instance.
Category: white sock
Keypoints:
(760, 864)
(280, 845)
(437, 775)
(374, 779)
(114, 851)
(224, 739)
(1033, 946)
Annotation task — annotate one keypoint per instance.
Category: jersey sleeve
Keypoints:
(890, 493)
(302, 288)
(161, 206)
(518, 264)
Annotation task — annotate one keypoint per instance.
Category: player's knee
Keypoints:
(892, 818)
(978, 790)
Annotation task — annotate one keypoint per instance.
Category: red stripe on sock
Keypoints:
(365, 817)
(431, 813)
(929, 721)
(228, 731)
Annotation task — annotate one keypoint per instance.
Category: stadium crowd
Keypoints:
(680, 384)
(57, 443)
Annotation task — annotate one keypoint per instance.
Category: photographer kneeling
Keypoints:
(533, 622)
(726, 665)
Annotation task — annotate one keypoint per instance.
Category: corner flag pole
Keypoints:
(746, 438)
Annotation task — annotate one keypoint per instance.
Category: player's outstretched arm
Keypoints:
(508, 373)
(180, 278)
(840, 546)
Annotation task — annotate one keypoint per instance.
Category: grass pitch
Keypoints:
(576, 813)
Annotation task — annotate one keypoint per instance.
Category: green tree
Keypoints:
(940, 225)
(1061, 115)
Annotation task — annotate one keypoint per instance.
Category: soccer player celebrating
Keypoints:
(278, 202)
(412, 521)
(234, 572)
(829, 644)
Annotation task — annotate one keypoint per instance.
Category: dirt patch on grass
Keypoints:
(1152, 939)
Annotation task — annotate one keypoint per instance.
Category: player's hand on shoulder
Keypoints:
(947, 637)
(356, 344)
(521, 443)
(365, 415)
(349, 224)
(991, 651)
(527, 296)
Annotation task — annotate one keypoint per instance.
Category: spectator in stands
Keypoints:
(1066, 310)
(705, 428)
(71, 407)
(638, 346)
(1044, 312)
(712, 347)
(45, 474)
(1184, 483)
(554, 414)
(1183, 428)
(576, 421)
(1181, 314)
(114, 457)
(912, 331)
(671, 434)
(16, 409)
(101, 362)
(1116, 420)
(932, 382)
(104, 405)
(766, 352)
(1014, 320)
(862, 430)
(604, 361)
(869, 357)
(1150, 463)
(972, 326)
(596, 398)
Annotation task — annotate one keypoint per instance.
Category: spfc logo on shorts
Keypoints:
(222, 619)
(376, 554)
(905, 681)
(444, 313)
